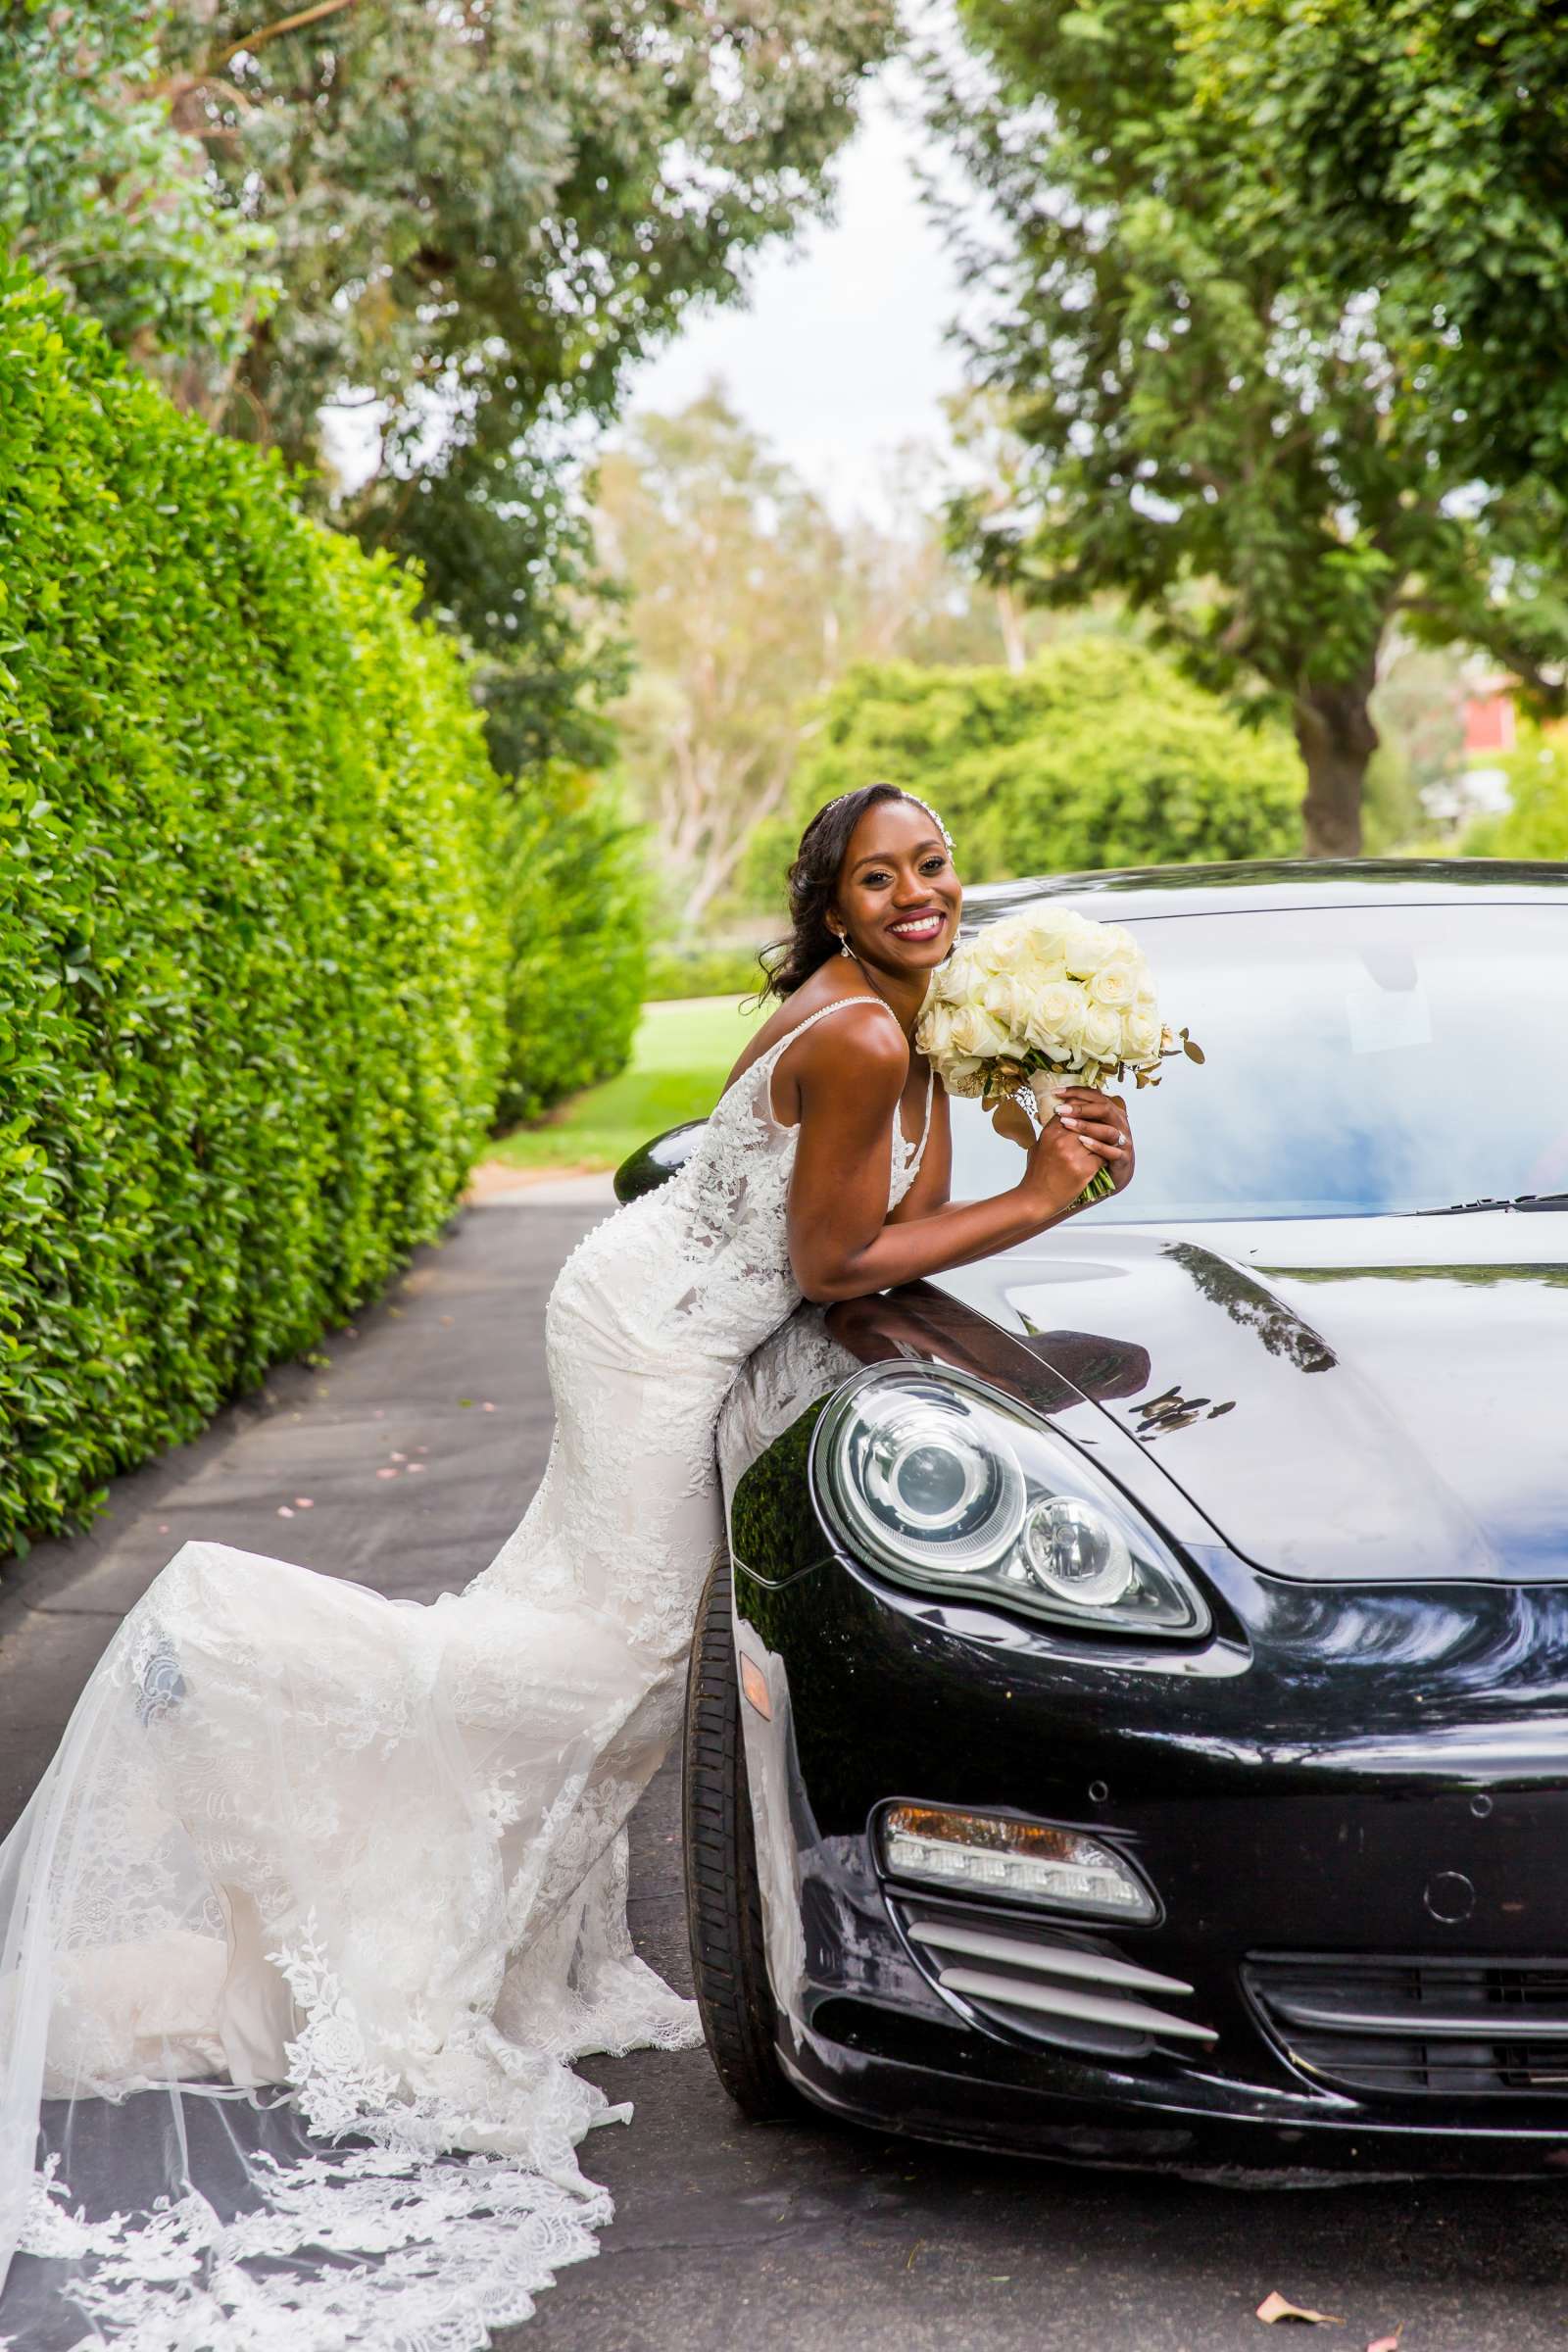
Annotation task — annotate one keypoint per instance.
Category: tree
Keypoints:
(1417, 151)
(484, 215)
(1215, 431)
(736, 581)
(494, 208)
(745, 600)
(478, 216)
(143, 238)
(1097, 754)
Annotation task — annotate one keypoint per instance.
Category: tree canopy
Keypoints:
(1418, 152)
(436, 234)
(494, 208)
(745, 600)
(144, 238)
(1217, 429)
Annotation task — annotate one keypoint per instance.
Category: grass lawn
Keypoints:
(680, 1057)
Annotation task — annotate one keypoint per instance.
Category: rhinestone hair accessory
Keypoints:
(903, 795)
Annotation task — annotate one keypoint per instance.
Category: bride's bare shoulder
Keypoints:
(850, 1036)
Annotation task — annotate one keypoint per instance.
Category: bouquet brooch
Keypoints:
(1037, 1002)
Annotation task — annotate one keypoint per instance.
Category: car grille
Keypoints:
(1024, 1976)
(1418, 2027)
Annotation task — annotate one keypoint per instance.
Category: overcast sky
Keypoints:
(838, 356)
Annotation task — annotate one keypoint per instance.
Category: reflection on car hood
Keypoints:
(1377, 1397)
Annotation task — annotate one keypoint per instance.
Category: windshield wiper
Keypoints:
(1464, 1208)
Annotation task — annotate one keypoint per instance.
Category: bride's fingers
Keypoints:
(1111, 1142)
(1083, 1109)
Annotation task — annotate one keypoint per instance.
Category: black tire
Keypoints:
(723, 1904)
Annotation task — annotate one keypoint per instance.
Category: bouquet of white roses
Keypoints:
(1037, 1002)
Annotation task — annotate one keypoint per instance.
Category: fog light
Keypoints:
(1030, 1862)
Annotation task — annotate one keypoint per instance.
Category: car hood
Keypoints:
(1350, 1398)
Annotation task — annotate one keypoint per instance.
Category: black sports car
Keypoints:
(1132, 1722)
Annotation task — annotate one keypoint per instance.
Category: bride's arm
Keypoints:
(843, 1244)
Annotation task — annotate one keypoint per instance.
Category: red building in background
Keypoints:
(1489, 723)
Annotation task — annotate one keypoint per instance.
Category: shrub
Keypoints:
(249, 989)
(1536, 824)
(1099, 753)
(702, 972)
(573, 892)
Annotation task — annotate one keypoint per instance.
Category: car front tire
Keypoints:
(723, 1901)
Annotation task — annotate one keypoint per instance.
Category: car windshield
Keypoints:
(1360, 1062)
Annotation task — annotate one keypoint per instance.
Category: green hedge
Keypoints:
(250, 983)
(574, 890)
(1099, 753)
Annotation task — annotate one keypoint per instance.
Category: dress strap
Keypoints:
(925, 1131)
(769, 1062)
(821, 1013)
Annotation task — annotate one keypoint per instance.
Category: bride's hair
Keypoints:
(788, 963)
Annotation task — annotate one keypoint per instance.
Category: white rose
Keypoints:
(1139, 1034)
(1103, 1035)
(1092, 945)
(951, 982)
(1056, 1020)
(992, 950)
(1116, 985)
(1007, 998)
(1045, 956)
(973, 1031)
(932, 1032)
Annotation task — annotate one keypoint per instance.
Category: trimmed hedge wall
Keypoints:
(250, 980)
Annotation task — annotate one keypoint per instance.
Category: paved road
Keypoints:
(802, 2235)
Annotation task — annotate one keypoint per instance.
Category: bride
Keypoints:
(322, 1892)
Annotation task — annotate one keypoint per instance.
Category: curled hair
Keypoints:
(813, 884)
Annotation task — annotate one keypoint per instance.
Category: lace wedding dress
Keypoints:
(322, 1892)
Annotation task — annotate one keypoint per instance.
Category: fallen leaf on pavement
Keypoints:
(1274, 2307)
(1387, 2343)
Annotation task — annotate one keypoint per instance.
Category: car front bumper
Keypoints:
(1345, 1789)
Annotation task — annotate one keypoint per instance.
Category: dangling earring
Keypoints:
(844, 948)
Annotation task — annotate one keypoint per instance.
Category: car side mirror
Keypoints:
(654, 1162)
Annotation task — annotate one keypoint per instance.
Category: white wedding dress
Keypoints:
(322, 1892)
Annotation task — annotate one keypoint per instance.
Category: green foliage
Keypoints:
(572, 885)
(745, 600)
(1414, 148)
(740, 595)
(1536, 825)
(1099, 753)
(1214, 425)
(101, 189)
(505, 204)
(249, 996)
(676, 972)
(478, 219)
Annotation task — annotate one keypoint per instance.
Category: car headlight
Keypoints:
(947, 1485)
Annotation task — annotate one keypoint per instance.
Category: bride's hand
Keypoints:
(1100, 1124)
